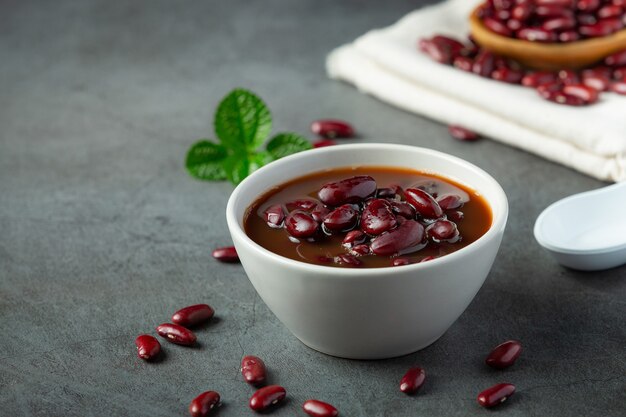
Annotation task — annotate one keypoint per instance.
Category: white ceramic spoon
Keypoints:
(586, 231)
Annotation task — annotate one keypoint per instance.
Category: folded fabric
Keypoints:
(387, 64)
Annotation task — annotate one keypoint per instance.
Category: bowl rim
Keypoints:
(498, 221)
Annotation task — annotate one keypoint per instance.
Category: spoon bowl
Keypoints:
(547, 56)
(586, 231)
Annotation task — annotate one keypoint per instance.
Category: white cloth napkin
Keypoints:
(387, 64)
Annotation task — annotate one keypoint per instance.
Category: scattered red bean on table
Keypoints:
(148, 348)
(227, 254)
(193, 315)
(504, 355)
(316, 408)
(176, 334)
(203, 404)
(495, 395)
(253, 370)
(266, 397)
(412, 380)
(332, 128)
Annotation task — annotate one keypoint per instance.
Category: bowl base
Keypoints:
(369, 356)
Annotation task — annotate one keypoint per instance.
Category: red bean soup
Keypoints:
(367, 217)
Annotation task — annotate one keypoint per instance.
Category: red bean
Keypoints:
(331, 129)
(587, 5)
(568, 77)
(428, 258)
(560, 3)
(347, 260)
(552, 11)
(617, 59)
(549, 89)
(536, 35)
(450, 201)
(609, 11)
(148, 347)
(176, 334)
(388, 193)
(484, 64)
(377, 217)
(400, 262)
(619, 73)
(587, 94)
(568, 36)
(341, 219)
(266, 397)
(463, 63)
(300, 224)
(324, 143)
(496, 395)
(274, 216)
(353, 238)
(618, 87)
(350, 190)
(461, 133)
(507, 75)
(203, 404)
(423, 203)
(497, 26)
(316, 408)
(443, 231)
(306, 204)
(586, 19)
(403, 209)
(504, 355)
(455, 215)
(360, 250)
(437, 52)
(405, 237)
(253, 370)
(193, 315)
(319, 213)
(597, 82)
(226, 254)
(559, 24)
(561, 98)
(522, 11)
(604, 27)
(538, 78)
(413, 380)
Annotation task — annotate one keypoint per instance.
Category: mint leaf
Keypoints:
(204, 161)
(285, 144)
(237, 167)
(258, 159)
(242, 121)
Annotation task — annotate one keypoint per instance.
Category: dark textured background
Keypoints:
(103, 235)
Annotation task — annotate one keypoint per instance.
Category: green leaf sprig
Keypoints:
(242, 125)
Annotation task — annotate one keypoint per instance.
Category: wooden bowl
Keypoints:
(547, 56)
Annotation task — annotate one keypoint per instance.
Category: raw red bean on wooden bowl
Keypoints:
(148, 347)
(204, 404)
(193, 315)
(265, 398)
(316, 408)
(226, 254)
(495, 395)
(504, 355)
(413, 380)
(176, 334)
(332, 128)
(253, 370)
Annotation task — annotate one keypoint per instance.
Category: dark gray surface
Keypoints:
(103, 235)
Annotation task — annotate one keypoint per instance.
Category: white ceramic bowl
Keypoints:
(368, 313)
